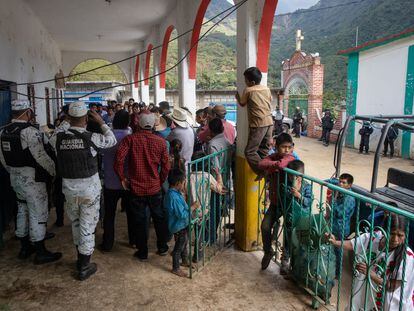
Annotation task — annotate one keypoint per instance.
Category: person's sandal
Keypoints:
(180, 273)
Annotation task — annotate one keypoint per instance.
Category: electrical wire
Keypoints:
(173, 39)
(233, 9)
(176, 64)
(130, 57)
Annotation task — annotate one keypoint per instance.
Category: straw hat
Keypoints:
(179, 116)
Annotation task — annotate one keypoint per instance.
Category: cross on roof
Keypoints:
(299, 39)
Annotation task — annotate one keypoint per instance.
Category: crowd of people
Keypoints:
(142, 156)
(96, 156)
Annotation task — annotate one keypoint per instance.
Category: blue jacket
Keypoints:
(177, 210)
(343, 208)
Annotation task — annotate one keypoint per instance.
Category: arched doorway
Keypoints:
(297, 96)
(302, 77)
(106, 83)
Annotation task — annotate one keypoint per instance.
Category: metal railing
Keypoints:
(210, 183)
(334, 276)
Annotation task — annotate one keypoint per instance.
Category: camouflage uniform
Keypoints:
(32, 197)
(83, 195)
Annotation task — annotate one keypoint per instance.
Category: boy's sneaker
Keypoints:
(267, 257)
(284, 267)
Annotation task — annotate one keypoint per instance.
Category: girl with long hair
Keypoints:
(373, 263)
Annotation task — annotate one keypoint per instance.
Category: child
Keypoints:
(342, 208)
(273, 150)
(298, 204)
(271, 165)
(178, 218)
(175, 158)
(365, 132)
(393, 266)
(257, 98)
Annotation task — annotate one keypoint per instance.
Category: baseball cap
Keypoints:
(146, 120)
(20, 104)
(77, 109)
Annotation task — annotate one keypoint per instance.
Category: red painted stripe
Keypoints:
(192, 67)
(136, 72)
(265, 32)
(147, 63)
(164, 53)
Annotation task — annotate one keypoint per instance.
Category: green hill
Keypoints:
(326, 30)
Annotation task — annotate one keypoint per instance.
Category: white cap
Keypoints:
(146, 120)
(77, 109)
(20, 104)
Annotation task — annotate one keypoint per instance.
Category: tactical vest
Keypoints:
(74, 157)
(11, 146)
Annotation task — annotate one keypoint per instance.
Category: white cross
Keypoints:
(299, 39)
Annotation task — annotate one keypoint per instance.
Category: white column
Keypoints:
(247, 24)
(159, 93)
(247, 189)
(186, 14)
(134, 90)
(144, 88)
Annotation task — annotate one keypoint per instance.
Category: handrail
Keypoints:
(358, 196)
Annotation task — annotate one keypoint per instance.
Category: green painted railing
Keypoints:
(209, 182)
(314, 260)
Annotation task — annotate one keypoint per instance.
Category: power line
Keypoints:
(231, 9)
(130, 57)
(235, 8)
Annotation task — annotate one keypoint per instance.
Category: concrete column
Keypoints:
(246, 211)
(143, 88)
(134, 89)
(159, 93)
(186, 11)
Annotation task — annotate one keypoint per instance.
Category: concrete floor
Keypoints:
(233, 281)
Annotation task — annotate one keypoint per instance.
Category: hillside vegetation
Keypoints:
(326, 30)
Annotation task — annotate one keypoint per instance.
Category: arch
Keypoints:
(147, 63)
(296, 85)
(164, 52)
(136, 72)
(265, 32)
(97, 74)
(192, 66)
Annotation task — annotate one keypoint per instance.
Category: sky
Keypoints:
(286, 6)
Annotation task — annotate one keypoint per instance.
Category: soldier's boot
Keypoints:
(43, 255)
(87, 268)
(26, 248)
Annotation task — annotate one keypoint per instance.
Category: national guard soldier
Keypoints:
(23, 155)
(77, 163)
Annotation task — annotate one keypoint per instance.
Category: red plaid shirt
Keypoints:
(148, 163)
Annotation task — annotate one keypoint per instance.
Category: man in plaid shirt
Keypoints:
(148, 168)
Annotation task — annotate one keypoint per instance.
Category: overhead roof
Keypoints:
(374, 43)
(100, 25)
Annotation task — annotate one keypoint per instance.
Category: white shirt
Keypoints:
(392, 299)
